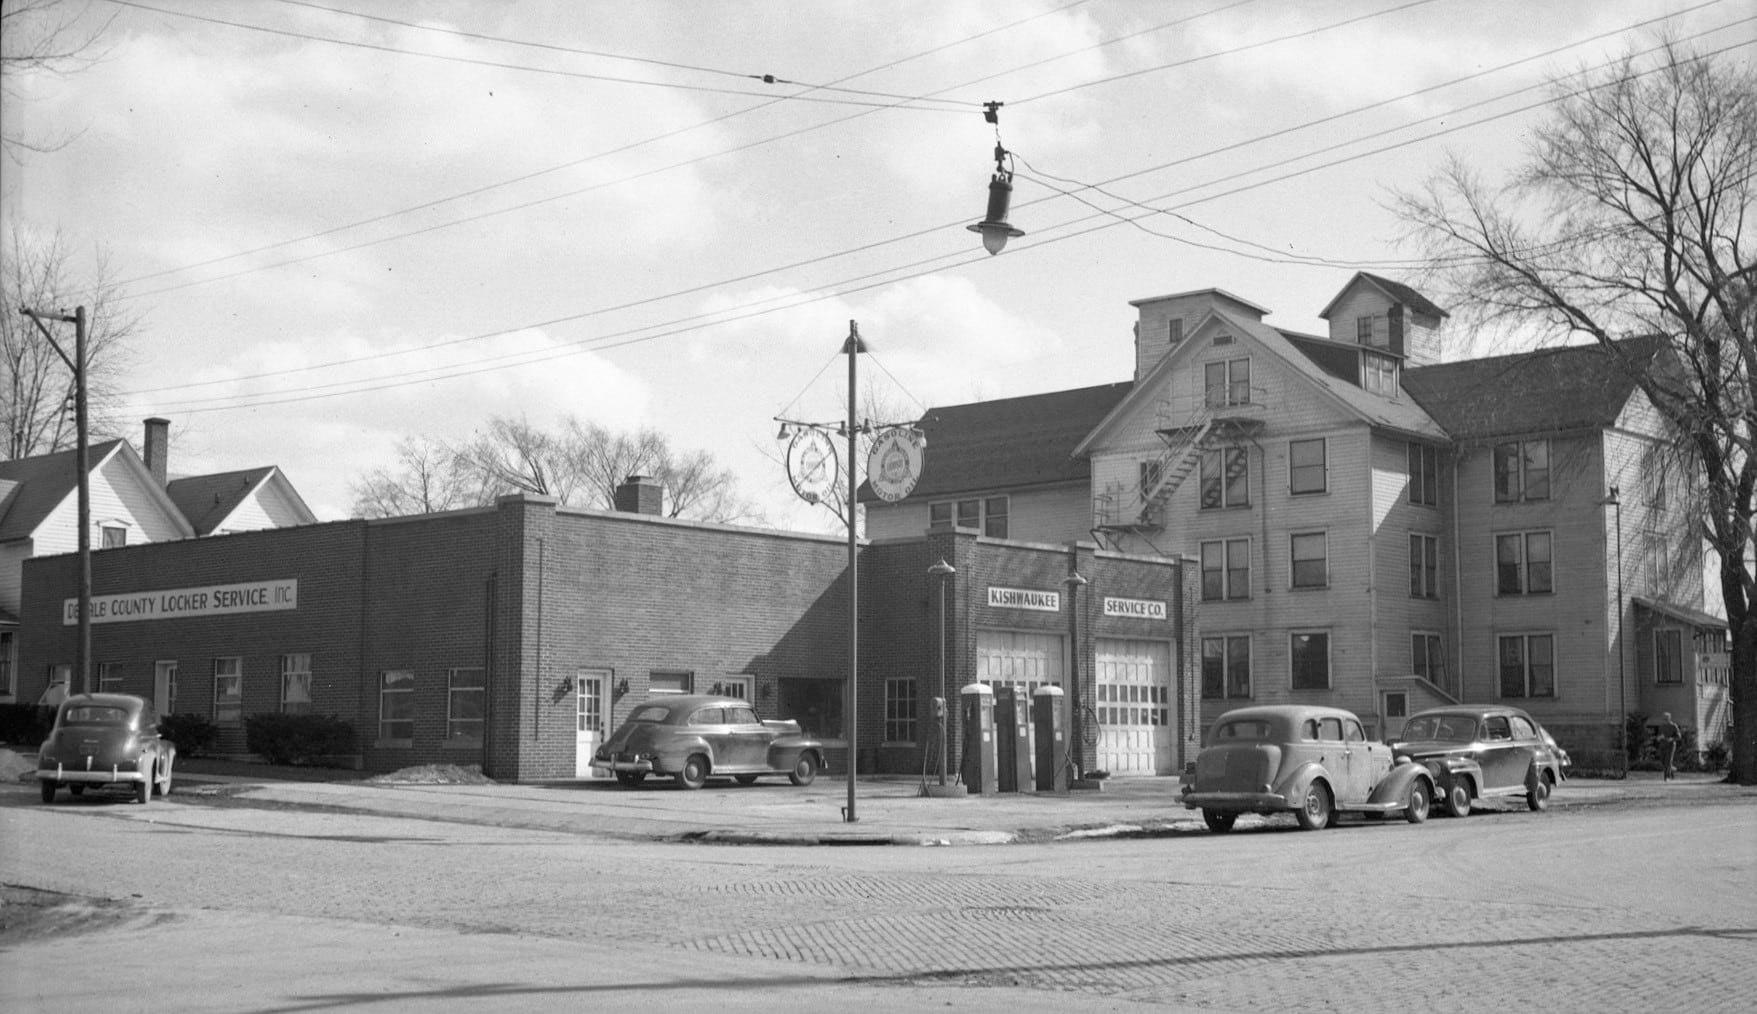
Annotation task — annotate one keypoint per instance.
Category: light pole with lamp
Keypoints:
(942, 570)
(1614, 501)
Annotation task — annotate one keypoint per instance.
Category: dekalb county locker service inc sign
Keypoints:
(176, 603)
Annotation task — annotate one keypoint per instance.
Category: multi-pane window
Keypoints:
(1523, 564)
(1427, 659)
(1225, 477)
(1227, 382)
(985, 514)
(1424, 475)
(228, 691)
(1226, 667)
(109, 677)
(1310, 655)
(1522, 471)
(1378, 374)
(1306, 470)
(1226, 569)
(1528, 665)
(396, 706)
(1424, 566)
(8, 663)
(466, 691)
(1668, 655)
(900, 710)
(1310, 559)
(296, 683)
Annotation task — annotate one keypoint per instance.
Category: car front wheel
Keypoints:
(694, 773)
(163, 788)
(1537, 794)
(1458, 800)
(1218, 822)
(1417, 809)
(804, 770)
(1314, 812)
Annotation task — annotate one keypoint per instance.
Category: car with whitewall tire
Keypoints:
(1312, 761)
(1483, 751)
(102, 740)
(692, 737)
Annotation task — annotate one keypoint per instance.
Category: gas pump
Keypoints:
(1012, 731)
(1052, 744)
(979, 766)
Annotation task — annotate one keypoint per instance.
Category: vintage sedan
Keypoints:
(692, 737)
(106, 739)
(1312, 761)
(1480, 751)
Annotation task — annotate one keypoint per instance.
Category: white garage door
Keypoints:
(1134, 707)
(1015, 658)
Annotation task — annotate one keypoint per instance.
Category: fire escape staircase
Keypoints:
(1121, 509)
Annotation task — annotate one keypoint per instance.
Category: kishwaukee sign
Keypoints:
(174, 603)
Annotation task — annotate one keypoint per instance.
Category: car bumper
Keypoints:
(1236, 802)
(92, 776)
(624, 764)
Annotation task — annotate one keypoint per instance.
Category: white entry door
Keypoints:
(1134, 706)
(591, 689)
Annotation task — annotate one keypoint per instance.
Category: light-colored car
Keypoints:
(1311, 761)
(106, 739)
(1481, 751)
(691, 737)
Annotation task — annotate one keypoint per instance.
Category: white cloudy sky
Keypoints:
(343, 222)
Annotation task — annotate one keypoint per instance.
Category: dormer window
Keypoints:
(1379, 373)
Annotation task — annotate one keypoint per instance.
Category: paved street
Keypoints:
(238, 907)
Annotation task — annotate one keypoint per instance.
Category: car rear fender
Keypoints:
(1394, 787)
(672, 753)
(1294, 788)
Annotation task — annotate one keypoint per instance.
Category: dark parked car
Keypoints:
(1311, 761)
(106, 739)
(1480, 751)
(691, 737)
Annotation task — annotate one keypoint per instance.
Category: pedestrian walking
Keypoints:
(1666, 737)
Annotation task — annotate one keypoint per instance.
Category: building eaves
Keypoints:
(1550, 390)
(208, 500)
(43, 483)
(1397, 292)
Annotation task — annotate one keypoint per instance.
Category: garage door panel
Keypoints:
(1134, 706)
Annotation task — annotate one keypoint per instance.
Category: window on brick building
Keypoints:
(296, 683)
(396, 707)
(229, 691)
(466, 691)
(662, 681)
(900, 707)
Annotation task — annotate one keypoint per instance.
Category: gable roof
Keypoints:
(43, 483)
(1010, 442)
(1397, 414)
(1544, 391)
(208, 500)
(1397, 292)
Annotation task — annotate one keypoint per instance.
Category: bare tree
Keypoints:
(38, 385)
(581, 466)
(1633, 216)
(427, 477)
(37, 37)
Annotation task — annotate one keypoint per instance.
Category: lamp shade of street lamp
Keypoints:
(994, 228)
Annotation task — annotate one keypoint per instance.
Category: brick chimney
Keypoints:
(158, 444)
(641, 494)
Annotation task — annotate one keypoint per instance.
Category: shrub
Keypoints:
(18, 725)
(193, 734)
(297, 739)
(1716, 756)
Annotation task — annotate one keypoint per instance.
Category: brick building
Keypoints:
(516, 636)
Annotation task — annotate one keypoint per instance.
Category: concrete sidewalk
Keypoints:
(890, 811)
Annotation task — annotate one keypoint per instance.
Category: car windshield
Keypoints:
(1242, 730)
(94, 715)
(1444, 728)
(650, 713)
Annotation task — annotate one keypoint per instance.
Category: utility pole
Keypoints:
(82, 657)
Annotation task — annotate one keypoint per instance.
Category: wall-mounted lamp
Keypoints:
(621, 687)
(565, 686)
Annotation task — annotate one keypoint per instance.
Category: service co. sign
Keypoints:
(173, 603)
(1140, 609)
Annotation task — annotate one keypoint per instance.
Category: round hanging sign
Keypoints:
(895, 462)
(812, 466)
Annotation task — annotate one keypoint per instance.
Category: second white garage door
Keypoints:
(1134, 707)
